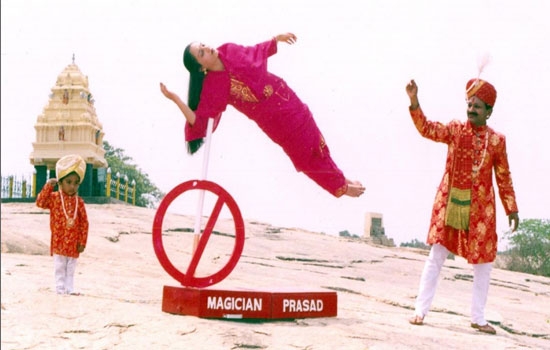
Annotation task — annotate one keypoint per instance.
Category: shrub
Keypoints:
(415, 243)
(530, 248)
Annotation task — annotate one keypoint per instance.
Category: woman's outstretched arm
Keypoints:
(187, 112)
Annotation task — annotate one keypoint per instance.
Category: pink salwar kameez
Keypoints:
(266, 99)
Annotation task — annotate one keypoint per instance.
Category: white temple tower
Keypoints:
(69, 125)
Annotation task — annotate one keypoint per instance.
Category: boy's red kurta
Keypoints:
(64, 240)
(478, 244)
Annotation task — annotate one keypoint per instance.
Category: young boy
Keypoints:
(68, 219)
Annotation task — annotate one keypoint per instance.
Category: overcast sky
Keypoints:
(350, 65)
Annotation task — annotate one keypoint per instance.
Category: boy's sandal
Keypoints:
(485, 328)
(416, 320)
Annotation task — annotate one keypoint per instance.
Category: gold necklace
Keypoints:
(70, 221)
(475, 168)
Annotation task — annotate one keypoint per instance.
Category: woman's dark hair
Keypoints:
(196, 78)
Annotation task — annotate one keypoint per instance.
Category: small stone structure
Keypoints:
(69, 125)
(374, 230)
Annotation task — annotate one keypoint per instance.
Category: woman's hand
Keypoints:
(187, 112)
(169, 94)
(288, 38)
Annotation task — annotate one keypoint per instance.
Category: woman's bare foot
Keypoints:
(355, 189)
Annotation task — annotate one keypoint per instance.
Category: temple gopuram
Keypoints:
(69, 125)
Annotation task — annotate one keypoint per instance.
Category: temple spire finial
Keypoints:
(73, 58)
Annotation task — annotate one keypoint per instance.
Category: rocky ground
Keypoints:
(121, 282)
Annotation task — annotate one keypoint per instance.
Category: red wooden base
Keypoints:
(249, 304)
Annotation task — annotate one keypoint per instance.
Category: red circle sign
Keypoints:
(224, 198)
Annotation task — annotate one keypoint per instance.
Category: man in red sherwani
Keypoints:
(463, 218)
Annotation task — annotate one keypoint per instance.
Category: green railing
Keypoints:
(24, 187)
(16, 187)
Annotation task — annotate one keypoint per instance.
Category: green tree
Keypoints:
(147, 194)
(530, 247)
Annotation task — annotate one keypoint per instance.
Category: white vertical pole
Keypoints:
(200, 204)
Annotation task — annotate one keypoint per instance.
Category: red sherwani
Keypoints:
(266, 99)
(64, 240)
(478, 244)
